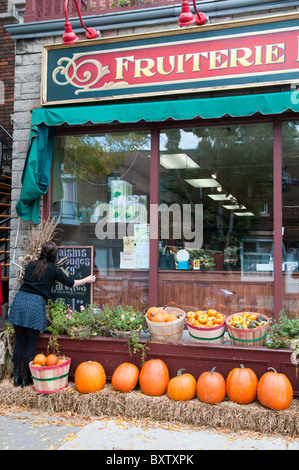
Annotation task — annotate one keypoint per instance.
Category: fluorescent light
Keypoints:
(234, 206)
(220, 197)
(203, 182)
(177, 161)
(246, 214)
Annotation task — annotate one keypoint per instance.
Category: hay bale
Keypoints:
(135, 405)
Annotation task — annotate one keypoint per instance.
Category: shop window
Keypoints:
(290, 216)
(100, 192)
(216, 217)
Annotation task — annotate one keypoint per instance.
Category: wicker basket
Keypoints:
(50, 379)
(168, 331)
(248, 337)
(205, 335)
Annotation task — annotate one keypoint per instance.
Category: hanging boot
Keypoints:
(17, 377)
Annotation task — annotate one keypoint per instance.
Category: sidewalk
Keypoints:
(23, 430)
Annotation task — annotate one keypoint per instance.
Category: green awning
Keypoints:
(36, 174)
(176, 109)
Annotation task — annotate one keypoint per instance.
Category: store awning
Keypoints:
(36, 174)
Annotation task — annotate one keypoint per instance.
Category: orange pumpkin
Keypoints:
(90, 377)
(125, 377)
(51, 360)
(275, 391)
(40, 360)
(171, 317)
(154, 377)
(211, 387)
(241, 385)
(182, 387)
(158, 317)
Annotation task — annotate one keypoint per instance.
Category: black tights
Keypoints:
(26, 339)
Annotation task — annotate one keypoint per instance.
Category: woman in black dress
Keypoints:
(28, 310)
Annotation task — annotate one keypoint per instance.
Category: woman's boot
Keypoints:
(17, 377)
(26, 379)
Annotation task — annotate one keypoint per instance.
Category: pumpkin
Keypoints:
(241, 385)
(90, 377)
(154, 377)
(182, 387)
(40, 360)
(171, 317)
(158, 317)
(274, 390)
(125, 377)
(51, 360)
(211, 387)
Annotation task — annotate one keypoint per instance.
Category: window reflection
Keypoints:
(290, 215)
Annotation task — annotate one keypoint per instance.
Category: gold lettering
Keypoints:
(234, 59)
(215, 60)
(258, 55)
(180, 68)
(160, 65)
(122, 62)
(196, 59)
(272, 51)
(145, 70)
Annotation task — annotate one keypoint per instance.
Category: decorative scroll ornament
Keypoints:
(83, 75)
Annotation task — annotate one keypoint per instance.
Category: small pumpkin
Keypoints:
(241, 385)
(211, 387)
(40, 360)
(274, 390)
(154, 377)
(182, 387)
(51, 360)
(90, 377)
(125, 377)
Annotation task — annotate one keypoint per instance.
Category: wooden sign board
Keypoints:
(78, 266)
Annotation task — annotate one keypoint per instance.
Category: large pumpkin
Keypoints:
(241, 385)
(182, 387)
(210, 387)
(125, 377)
(90, 377)
(154, 377)
(274, 390)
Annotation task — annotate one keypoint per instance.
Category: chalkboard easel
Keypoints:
(79, 264)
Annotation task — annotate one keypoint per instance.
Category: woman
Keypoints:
(28, 310)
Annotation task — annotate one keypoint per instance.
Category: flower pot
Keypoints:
(121, 334)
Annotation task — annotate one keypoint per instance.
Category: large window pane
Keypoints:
(290, 216)
(101, 193)
(227, 171)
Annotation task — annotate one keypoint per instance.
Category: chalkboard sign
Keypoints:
(79, 264)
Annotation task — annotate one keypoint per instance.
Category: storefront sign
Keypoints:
(79, 264)
(239, 54)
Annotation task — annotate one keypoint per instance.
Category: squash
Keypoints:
(40, 360)
(275, 391)
(90, 377)
(125, 377)
(211, 387)
(154, 377)
(241, 385)
(51, 360)
(182, 387)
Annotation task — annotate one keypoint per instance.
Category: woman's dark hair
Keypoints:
(48, 255)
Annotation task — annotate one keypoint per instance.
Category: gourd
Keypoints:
(51, 360)
(241, 385)
(211, 387)
(182, 387)
(154, 377)
(125, 377)
(90, 377)
(40, 359)
(275, 391)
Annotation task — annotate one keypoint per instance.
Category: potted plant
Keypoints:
(283, 333)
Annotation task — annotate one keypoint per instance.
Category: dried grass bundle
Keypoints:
(32, 243)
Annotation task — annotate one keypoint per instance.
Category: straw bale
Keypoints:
(135, 405)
